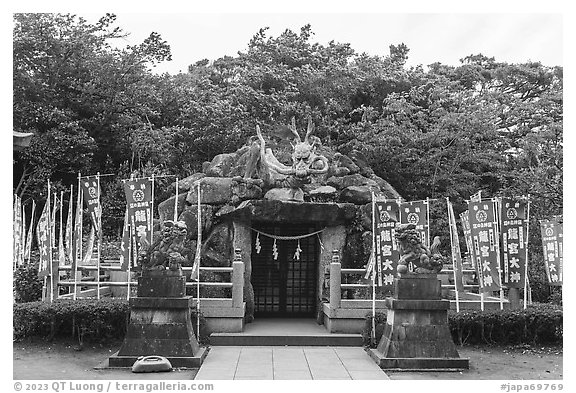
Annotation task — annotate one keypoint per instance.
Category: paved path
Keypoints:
(289, 363)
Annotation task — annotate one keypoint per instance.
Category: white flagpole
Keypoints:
(152, 215)
(99, 250)
(176, 203)
(61, 258)
(451, 219)
(15, 229)
(51, 246)
(199, 225)
(22, 236)
(76, 242)
(129, 259)
(69, 227)
(496, 209)
(373, 269)
(428, 222)
(526, 250)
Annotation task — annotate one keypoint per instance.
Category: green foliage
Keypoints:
(86, 320)
(27, 286)
(435, 132)
(538, 324)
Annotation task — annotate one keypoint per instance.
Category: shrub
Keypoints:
(27, 286)
(86, 319)
(538, 324)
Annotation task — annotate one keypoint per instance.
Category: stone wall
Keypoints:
(338, 200)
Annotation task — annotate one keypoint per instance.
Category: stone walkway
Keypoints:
(301, 363)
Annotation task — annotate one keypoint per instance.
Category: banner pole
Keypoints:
(14, 240)
(428, 222)
(152, 215)
(22, 235)
(76, 241)
(69, 241)
(199, 225)
(373, 335)
(497, 208)
(129, 275)
(50, 251)
(451, 219)
(60, 232)
(176, 203)
(99, 250)
(526, 251)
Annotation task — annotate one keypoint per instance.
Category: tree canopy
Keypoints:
(431, 131)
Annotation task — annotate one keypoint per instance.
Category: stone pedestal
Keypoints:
(416, 335)
(160, 323)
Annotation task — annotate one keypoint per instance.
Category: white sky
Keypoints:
(443, 37)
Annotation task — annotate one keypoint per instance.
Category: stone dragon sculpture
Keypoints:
(412, 250)
(305, 161)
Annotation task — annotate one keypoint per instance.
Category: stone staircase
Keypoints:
(285, 332)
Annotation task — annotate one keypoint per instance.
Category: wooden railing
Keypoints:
(236, 282)
(336, 285)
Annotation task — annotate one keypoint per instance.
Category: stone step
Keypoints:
(327, 339)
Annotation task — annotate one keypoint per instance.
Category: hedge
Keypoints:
(88, 320)
(538, 324)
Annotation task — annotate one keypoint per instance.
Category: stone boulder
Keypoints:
(337, 171)
(217, 249)
(357, 180)
(343, 161)
(185, 185)
(358, 159)
(323, 194)
(215, 191)
(166, 208)
(385, 187)
(190, 217)
(365, 216)
(245, 189)
(358, 195)
(221, 165)
(285, 194)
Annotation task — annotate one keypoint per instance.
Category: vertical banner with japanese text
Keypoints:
(17, 232)
(553, 244)
(69, 237)
(77, 237)
(514, 229)
(416, 213)
(486, 244)
(387, 254)
(44, 241)
(139, 203)
(28, 249)
(455, 248)
(465, 221)
(91, 195)
(125, 244)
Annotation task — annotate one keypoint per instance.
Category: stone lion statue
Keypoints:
(166, 252)
(412, 250)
